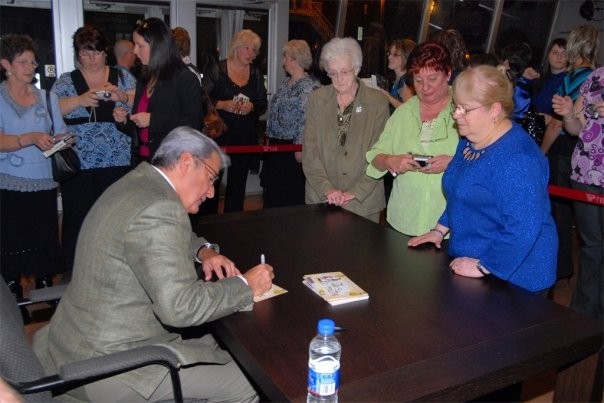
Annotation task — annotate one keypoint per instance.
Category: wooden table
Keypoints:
(424, 333)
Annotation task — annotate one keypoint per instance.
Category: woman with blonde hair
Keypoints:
(282, 176)
(582, 54)
(497, 211)
(237, 89)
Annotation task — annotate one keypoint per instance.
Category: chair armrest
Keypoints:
(43, 295)
(47, 293)
(119, 362)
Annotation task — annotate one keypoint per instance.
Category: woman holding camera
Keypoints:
(417, 144)
(87, 97)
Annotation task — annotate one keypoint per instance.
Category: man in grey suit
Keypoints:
(134, 279)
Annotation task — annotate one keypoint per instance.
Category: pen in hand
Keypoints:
(262, 259)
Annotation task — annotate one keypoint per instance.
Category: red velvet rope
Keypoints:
(566, 193)
(575, 194)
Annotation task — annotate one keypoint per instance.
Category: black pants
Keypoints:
(282, 178)
(562, 209)
(79, 194)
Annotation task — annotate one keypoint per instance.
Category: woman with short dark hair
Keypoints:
(417, 144)
(29, 236)
(87, 96)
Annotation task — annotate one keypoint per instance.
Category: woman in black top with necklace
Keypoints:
(237, 89)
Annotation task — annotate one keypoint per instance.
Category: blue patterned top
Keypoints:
(26, 169)
(288, 109)
(98, 144)
(498, 210)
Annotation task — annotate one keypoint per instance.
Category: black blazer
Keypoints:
(175, 102)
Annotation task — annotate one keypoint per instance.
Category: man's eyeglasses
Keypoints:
(25, 63)
(462, 110)
(211, 171)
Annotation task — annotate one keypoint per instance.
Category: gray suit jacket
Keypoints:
(329, 165)
(133, 276)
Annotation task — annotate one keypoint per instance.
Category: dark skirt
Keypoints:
(29, 233)
(79, 194)
(282, 178)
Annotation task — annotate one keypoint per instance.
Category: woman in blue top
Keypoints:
(104, 151)
(552, 78)
(282, 175)
(497, 209)
(29, 236)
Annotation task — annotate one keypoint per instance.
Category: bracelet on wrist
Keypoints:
(127, 98)
(439, 231)
(19, 141)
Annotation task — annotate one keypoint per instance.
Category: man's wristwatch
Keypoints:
(212, 246)
(482, 269)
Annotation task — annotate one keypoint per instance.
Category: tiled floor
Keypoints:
(538, 389)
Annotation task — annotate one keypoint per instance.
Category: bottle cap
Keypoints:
(326, 327)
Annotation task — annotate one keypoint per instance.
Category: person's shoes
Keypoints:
(44, 281)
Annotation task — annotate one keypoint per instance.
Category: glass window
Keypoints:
(526, 21)
(209, 28)
(471, 18)
(37, 23)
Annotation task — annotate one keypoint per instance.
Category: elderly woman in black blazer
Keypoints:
(168, 94)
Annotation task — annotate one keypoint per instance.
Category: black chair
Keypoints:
(20, 367)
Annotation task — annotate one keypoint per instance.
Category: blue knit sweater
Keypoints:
(498, 210)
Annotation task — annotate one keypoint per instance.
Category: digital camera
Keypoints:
(422, 160)
(103, 94)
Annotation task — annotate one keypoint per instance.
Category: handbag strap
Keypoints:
(49, 107)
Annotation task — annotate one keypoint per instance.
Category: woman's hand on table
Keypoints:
(433, 236)
(465, 266)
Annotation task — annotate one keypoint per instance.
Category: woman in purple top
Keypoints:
(586, 119)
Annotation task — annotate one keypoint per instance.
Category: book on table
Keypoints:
(335, 287)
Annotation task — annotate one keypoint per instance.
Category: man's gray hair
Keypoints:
(185, 139)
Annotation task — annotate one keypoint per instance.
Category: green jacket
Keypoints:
(417, 200)
(329, 165)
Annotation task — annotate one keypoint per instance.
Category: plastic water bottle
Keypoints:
(324, 364)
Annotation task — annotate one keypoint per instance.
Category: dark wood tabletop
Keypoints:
(423, 334)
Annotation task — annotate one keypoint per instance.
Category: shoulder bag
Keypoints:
(65, 162)
(534, 124)
(213, 125)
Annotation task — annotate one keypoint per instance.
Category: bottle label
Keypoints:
(323, 376)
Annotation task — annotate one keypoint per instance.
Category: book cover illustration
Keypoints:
(335, 287)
